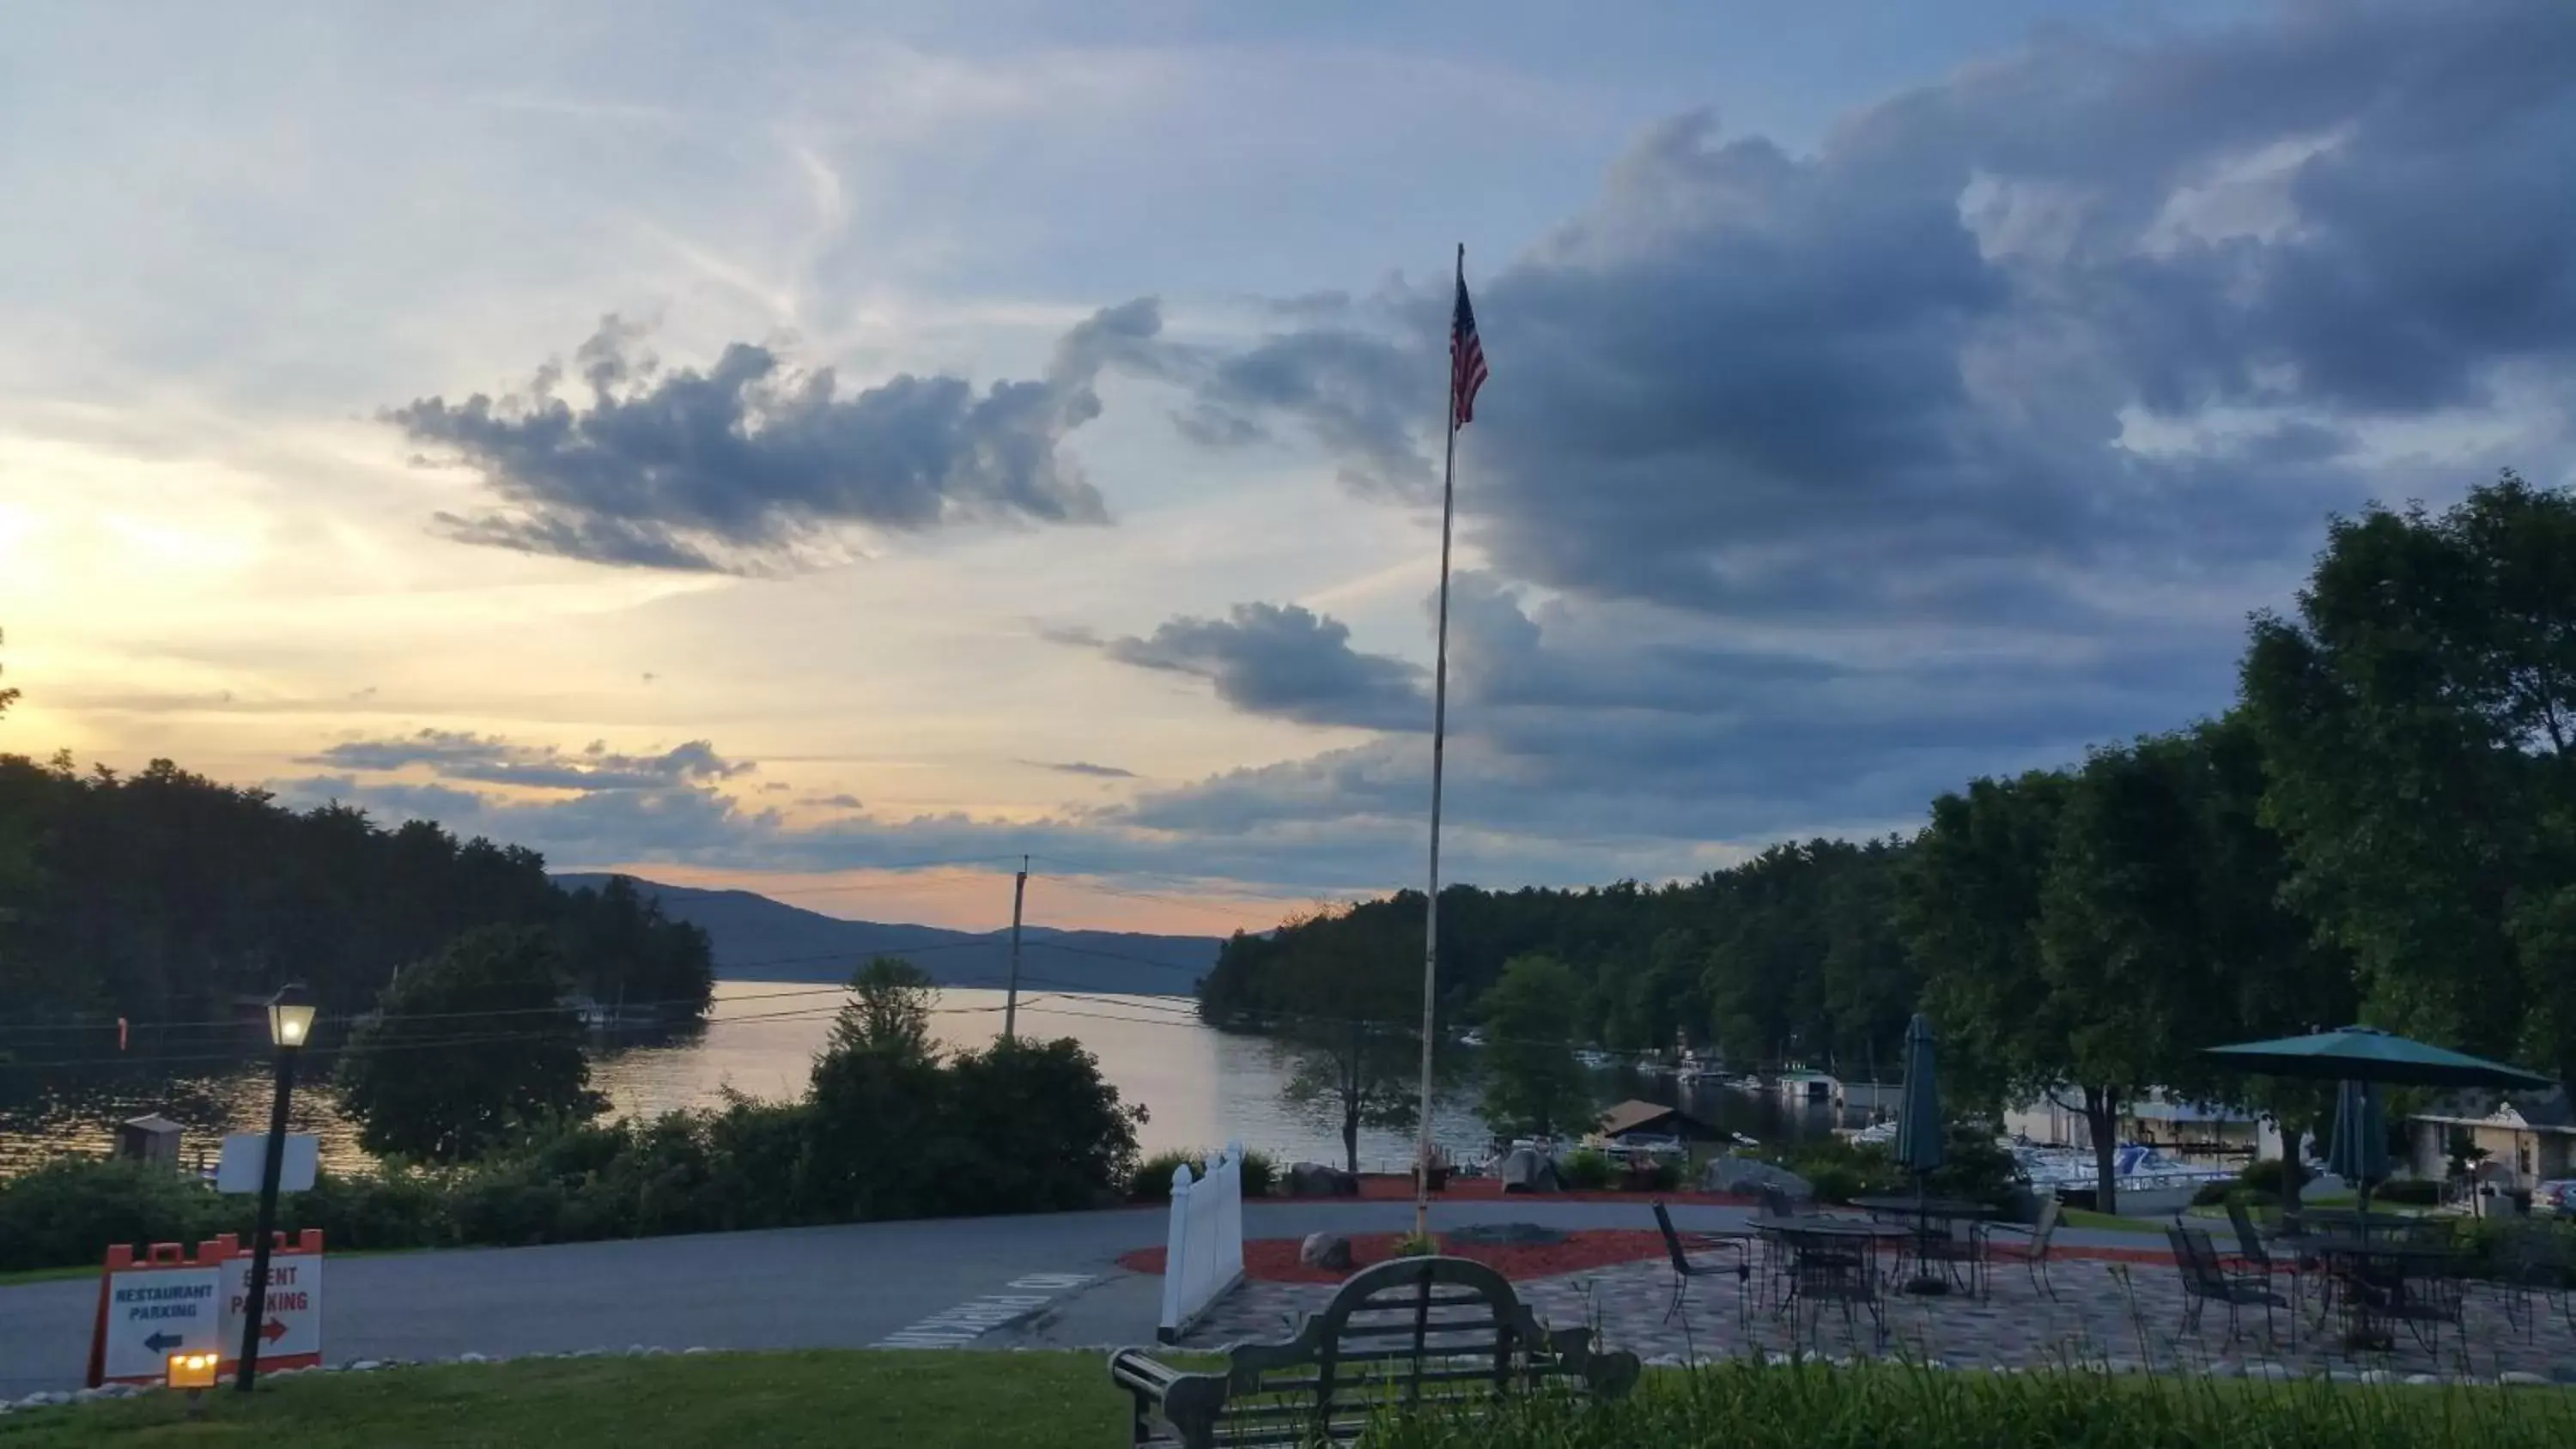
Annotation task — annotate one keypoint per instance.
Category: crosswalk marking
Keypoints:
(971, 1320)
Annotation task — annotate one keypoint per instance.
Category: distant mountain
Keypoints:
(756, 938)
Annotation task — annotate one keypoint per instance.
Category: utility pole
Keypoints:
(1011, 1004)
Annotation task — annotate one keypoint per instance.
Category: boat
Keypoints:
(1594, 1059)
(1471, 1038)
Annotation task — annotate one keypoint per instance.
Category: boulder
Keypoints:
(1729, 1173)
(1314, 1179)
(1526, 1169)
(1330, 1251)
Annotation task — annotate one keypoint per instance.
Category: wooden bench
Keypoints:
(1444, 1333)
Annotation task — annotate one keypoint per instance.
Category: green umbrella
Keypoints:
(2358, 1151)
(1918, 1112)
(2367, 1054)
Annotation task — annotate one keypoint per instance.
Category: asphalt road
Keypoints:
(849, 1286)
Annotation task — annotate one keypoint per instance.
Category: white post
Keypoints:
(1176, 1254)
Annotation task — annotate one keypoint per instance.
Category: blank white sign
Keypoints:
(246, 1159)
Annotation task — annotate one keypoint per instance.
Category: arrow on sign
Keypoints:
(273, 1330)
(163, 1342)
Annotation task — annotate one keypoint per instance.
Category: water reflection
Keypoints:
(1200, 1086)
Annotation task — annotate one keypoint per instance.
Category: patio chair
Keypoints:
(2256, 1255)
(2033, 1249)
(2532, 1260)
(1684, 1270)
(1840, 1270)
(2205, 1280)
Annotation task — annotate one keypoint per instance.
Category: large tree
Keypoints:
(877, 1091)
(1533, 1084)
(468, 1049)
(1350, 1027)
(2418, 715)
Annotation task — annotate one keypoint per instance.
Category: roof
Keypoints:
(2550, 1111)
(1635, 1116)
(153, 1123)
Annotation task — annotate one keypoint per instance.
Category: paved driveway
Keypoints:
(1049, 1280)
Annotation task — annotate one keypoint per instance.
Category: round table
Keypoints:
(2351, 1260)
(1931, 1218)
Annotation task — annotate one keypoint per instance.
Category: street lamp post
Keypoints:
(290, 1024)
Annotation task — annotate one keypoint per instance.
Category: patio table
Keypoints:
(1928, 1222)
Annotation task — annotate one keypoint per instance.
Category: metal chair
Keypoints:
(2033, 1250)
(2257, 1256)
(1684, 1270)
(2533, 1260)
(2206, 1280)
(1831, 1269)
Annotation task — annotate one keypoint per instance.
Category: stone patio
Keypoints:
(2119, 1316)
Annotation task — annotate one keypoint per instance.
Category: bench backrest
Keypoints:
(1445, 1333)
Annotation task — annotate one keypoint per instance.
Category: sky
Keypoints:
(838, 450)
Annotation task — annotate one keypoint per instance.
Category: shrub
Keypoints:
(1415, 1245)
(1152, 1179)
(391, 1207)
(1260, 1173)
(1666, 1177)
(2263, 1174)
(2211, 1194)
(1747, 1406)
(67, 1212)
(1585, 1170)
(2410, 1191)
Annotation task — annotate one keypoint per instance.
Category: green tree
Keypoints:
(1349, 1030)
(878, 1090)
(467, 1050)
(888, 1010)
(2417, 717)
(1533, 1084)
(1031, 1127)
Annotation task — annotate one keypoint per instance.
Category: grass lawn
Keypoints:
(953, 1400)
(915, 1399)
(47, 1275)
(2110, 1222)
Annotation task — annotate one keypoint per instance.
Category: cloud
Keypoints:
(1809, 485)
(844, 801)
(754, 464)
(1286, 661)
(492, 760)
(1903, 376)
(1084, 767)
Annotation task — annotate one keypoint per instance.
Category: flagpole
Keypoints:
(1439, 734)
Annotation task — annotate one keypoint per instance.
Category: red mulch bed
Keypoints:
(1398, 1187)
(1274, 1260)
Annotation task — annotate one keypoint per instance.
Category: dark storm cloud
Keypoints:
(753, 463)
(492, 760)
(1285, 661)
(1895, 377)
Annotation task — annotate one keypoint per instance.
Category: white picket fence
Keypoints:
(1205, 1254)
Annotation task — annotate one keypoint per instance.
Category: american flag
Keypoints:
(1466, 362)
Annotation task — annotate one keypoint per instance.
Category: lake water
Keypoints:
(1200, 1086)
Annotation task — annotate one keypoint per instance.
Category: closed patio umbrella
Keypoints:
(1918, 1112)
(2358, 1151)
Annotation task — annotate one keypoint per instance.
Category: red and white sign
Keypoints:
(150, 1308)
(290, 1333)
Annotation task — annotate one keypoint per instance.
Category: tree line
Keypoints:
(2381, 827)
(162, 896)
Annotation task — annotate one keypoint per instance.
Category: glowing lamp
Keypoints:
(290, 1017)
(192, 1370)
